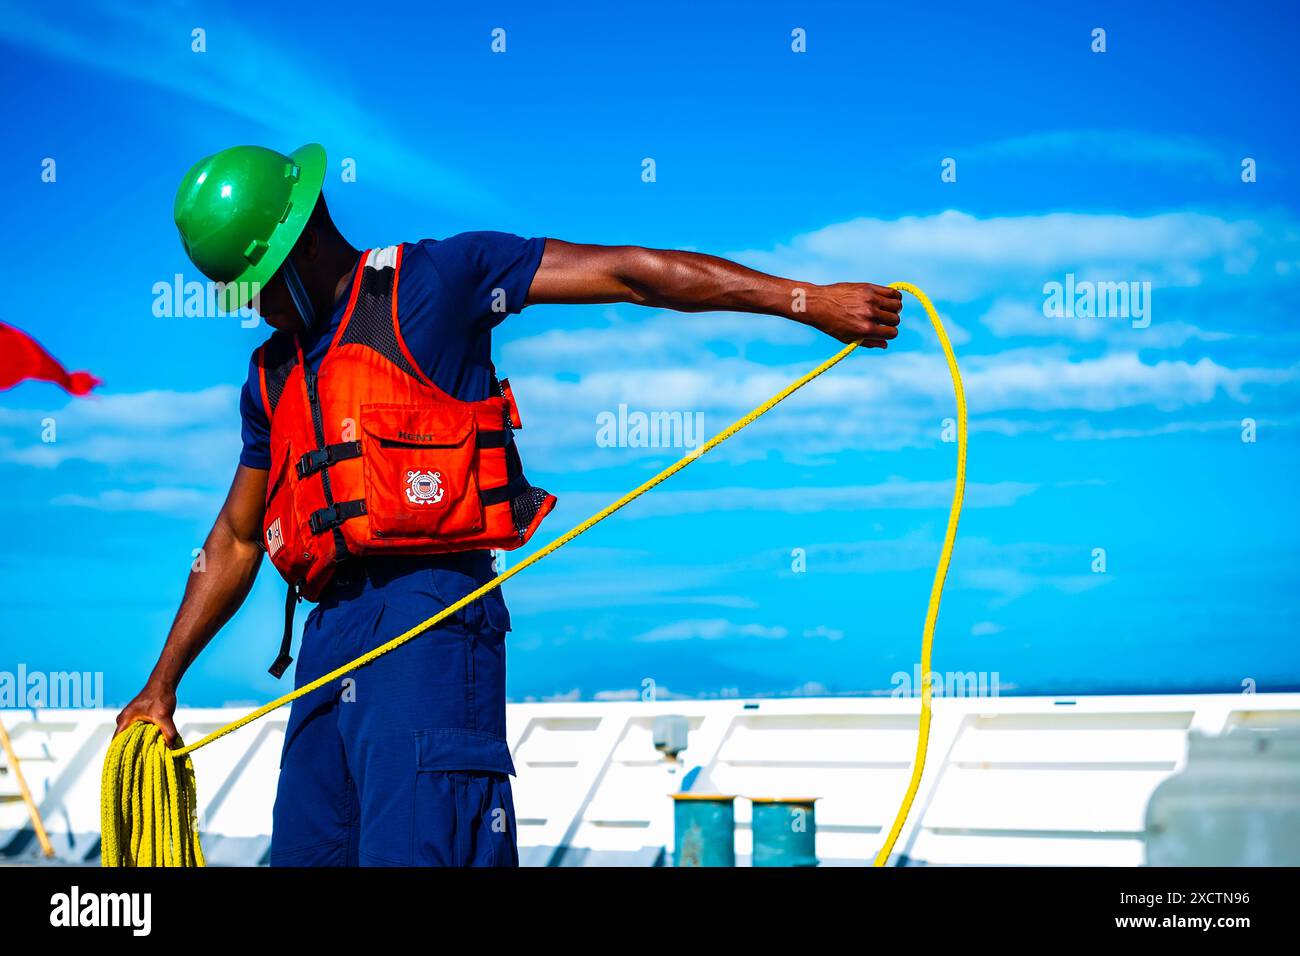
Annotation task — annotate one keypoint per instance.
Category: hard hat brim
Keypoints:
(311, 162)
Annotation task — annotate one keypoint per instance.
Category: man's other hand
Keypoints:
(154, 704)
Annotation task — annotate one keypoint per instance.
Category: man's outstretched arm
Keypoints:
(232, 555)
(692, 282)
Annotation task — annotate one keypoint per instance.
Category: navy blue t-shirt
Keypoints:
(447, 290)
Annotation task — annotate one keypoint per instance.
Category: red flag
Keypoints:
(22, 357)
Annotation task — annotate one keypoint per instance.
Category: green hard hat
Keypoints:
(241, 210)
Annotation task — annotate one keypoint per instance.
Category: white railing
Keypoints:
(1010, 780)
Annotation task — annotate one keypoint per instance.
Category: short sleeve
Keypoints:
(255, 427)
(495, 270)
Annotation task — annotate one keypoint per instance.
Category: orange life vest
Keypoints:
(369, 457)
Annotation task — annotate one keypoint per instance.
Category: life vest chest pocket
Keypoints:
(420, 474)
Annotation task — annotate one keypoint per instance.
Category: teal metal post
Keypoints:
(704, 829)
(784, 831)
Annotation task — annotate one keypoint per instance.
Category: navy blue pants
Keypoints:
(403, 762)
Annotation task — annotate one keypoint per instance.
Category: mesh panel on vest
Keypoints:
(524, 507)
(372, 319)
(279, 356)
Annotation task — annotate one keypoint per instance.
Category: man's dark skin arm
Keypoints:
(569, 273)
(232, 555)
(691, 282)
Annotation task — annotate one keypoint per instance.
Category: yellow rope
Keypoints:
(147, 803)
(940, 573)
(148, 816)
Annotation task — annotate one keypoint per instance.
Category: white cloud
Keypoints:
(1083, 431)
(1109, 145)
(1007, 570)
(898, 399)
(1030, 380)
(1050, 379)
(1010, 583)
(626, 579)
(185, 502)
(192, 436)
(653, 339)
(1012, 317)
(822, 631)
(959, 257)
(722, 365)
(890, 495)
(150, 410)
(880, 402)
(185, 443)
(709, 629)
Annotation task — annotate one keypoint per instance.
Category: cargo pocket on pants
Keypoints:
(463, 818)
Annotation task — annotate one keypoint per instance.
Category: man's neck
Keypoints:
(345, 261)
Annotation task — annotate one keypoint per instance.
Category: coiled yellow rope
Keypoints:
(148, 805)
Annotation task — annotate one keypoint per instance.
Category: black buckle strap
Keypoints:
(324, 519)
(319, 458)
(284, 658)
(494, 439)
(511, 489)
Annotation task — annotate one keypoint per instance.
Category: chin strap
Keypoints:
(298, 292)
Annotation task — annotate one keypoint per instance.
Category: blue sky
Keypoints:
(1085, 433)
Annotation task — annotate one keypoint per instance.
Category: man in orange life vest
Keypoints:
(379, 467)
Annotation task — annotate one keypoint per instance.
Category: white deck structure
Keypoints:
(1011, 780)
